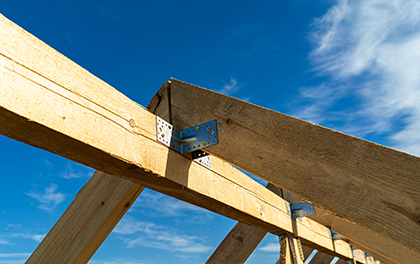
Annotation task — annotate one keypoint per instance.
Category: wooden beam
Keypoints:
(87, 222)
(374, 244)
(370, 260)
(359, 255)
(48, 101)
(285, 252)
(371, 188)
(238, 245)
(242, 240)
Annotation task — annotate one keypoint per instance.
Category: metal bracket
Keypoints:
(302, 209)
(187, 140)
(202, 158)
(335, 236)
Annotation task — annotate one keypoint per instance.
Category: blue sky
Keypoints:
(349, 65)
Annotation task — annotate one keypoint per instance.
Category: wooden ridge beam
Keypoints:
(371, 189)
(88, 221)
(373, 243)
(48, 101)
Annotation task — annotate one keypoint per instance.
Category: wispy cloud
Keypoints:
(153, 203)
(35, 237)
(271, 247)
(138, 233)
(368, 52)
(13, 258)
(230, 87)
(49, 199)
(119, 261)
(4, 242)
(76, 171)
(14, 255)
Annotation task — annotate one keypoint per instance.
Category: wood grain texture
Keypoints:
(359, 255)
(87, 222)
(238, 245)
(371, 187)
(48, 101)
(242, 240)
(285, 252)
(374, 244)
(370, 260)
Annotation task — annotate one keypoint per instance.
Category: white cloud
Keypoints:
(76, 171)
(152, 202)
(13, 258)
(4, 242)
(119, 261)
(49, 199)
(14, 255)
(230, 87)
(35, 237)
(138, 233)
(271, 247)
(369, 52)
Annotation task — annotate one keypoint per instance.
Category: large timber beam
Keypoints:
(373, 243)
(88, 221)
(241, 241)
(48, 101)
(371, 189)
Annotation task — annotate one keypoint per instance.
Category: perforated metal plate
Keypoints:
(164, 131)
(202, 158)
(302, 209)
(187, 140)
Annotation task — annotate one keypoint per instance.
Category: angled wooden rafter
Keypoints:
(370, 192)
(87, 222)
(50, 102)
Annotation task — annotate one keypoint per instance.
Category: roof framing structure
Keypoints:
(48, 101)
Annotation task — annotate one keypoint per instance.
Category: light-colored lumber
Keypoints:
(359, 255)
(87, 222)
(374, 244)
(242, 240)
(370, 260)
(285, 252)
(238, 245)
(48, 101)
(373, 189)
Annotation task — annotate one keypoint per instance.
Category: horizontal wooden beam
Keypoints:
(373, 189)
(48, 101)
(88, 221)
(374, 244)
(242, 241)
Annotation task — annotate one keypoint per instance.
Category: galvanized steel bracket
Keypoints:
(302, 209)
(187, 140)
(192, 139)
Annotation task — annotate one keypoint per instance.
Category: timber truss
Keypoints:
(366, 196)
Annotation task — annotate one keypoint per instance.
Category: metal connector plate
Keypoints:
(302, 209)
(187, 140)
